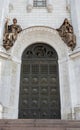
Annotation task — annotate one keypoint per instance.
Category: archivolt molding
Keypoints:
(40, 28)
(39, 34)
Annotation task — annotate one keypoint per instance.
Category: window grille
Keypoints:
(39, 3)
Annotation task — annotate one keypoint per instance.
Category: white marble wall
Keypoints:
(3, 15)
(39, 16)
(69, 61)
(75, 16)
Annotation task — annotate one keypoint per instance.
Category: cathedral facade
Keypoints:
(40, 59)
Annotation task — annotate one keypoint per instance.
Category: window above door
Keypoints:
(39, 3)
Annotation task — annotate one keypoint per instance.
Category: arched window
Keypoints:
(39, 3)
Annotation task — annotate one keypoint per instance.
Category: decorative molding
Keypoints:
(65, 31)
(5, 55)
(38, 33)
(74, 54)
(40, 51)
(40, 28)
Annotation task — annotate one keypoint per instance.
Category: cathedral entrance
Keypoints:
(39, 85)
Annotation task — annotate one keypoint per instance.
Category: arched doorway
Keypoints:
(39, 85)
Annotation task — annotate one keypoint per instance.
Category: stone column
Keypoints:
(49, 5)
(29, 5)
(75, 15)
(4, 13)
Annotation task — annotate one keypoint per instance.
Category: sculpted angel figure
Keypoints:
(10, 34)
(67, 34)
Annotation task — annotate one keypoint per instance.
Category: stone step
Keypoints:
(36, 124)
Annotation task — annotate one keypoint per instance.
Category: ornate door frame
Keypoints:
(26, 38)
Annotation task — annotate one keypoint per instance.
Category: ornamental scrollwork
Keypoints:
(40, 51)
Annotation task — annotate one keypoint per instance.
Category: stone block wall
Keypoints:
(38, 16)
(10, 63)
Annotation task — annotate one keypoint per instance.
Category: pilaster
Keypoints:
(75, 16)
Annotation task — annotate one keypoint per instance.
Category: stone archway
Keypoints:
(40, 35)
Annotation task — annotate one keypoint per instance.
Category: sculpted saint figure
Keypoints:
(67, 34)
(10, 34)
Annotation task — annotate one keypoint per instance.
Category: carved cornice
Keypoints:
(74, 54)
(5, 55)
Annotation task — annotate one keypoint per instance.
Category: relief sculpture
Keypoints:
(67, 34)
(11, 33)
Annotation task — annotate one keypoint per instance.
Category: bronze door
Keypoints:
(39, 88)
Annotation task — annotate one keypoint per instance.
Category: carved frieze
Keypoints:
(10, 34)
(67, 34)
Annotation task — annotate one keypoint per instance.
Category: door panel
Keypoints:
(39, 87)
